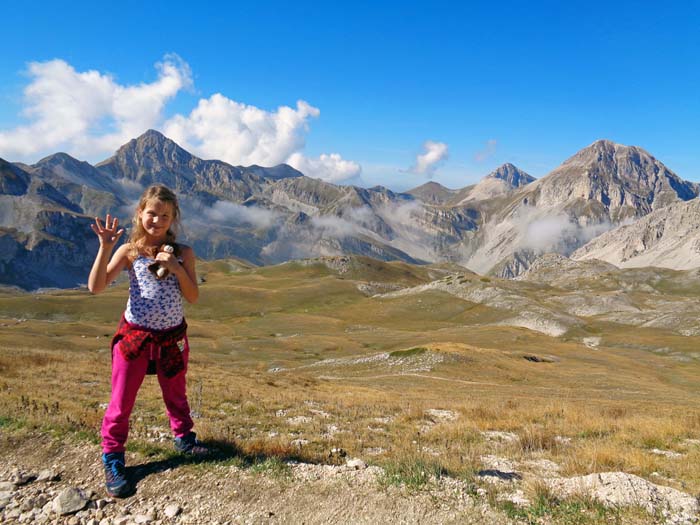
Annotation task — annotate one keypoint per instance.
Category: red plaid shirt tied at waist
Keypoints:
(162, 345)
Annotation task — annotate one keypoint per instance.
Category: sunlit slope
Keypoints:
(314, 312)
(353, 353)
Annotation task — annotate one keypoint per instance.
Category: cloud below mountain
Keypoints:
(553, 232)
(230, 212)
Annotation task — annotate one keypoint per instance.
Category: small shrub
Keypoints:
(250, 409)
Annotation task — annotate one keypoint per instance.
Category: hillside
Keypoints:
(457, 413)
(668, 237)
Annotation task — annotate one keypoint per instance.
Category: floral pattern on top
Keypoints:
(153, 303)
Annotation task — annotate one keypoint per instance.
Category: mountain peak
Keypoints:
(432, 193)
(604, 143)
(607, 150)
(57, 156)
(60, 159)
(152, 134)
(626, 181)
(155, 146)
(512, 175)
(152, 157)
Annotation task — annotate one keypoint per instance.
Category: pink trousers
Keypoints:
(127, 377)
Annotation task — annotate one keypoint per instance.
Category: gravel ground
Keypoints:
(46, 481)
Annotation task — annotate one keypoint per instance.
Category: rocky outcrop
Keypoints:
(619, 489)
(513, 265)
(13, 180)
(667, 237)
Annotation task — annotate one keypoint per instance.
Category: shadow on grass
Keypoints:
(220, 452)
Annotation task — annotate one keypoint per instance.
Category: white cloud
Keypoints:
(427, 163)
(406, 213)
(225, 211)
(89, 113)
(328, 167)
(131, 187)
(221, 128)
(554, 232)
(546, 233)
(320, 236)
(487, 152)
(329, 225)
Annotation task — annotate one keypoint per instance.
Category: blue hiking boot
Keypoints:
(115, 475)
(190, 445)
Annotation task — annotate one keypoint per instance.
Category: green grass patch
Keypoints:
(570, 511)
(273, 466)
(151, 450)
(11, 424)
(408, 353)
(87, 436)
(414, 473)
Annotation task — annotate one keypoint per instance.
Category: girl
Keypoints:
(152, 330)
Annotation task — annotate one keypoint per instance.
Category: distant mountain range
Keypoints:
(607, 201)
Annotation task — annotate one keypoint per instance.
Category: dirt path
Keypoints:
(219, 492)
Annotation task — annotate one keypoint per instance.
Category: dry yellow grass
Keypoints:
(295, 362)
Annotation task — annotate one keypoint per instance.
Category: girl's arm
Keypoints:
(185, 272)
(104, 272)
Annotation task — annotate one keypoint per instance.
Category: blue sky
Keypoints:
(466, 86)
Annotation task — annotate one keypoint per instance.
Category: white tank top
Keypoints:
(153, 303)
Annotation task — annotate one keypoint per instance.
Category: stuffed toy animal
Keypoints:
(160, 271)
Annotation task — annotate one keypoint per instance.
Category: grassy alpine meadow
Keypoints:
(296, 361)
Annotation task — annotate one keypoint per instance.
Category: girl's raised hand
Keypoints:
(107, 233)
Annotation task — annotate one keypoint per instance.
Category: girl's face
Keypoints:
(156, 217)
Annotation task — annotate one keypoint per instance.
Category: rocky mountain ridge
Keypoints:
(595, 190)
(269, 215)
